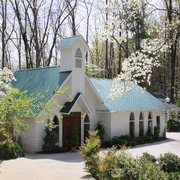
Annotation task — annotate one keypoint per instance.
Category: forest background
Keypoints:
(129, 39)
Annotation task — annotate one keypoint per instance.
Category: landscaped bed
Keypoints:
(113, 165)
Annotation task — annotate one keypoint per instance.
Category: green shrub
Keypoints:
(101, 130)
(90, 152)
(50, 140)
(173, 176)
(120, 141)
(156, 133)
(10, 150)
(173, 125)
(117, 141)
(141, 132)
(148, 139)
(119, 165)
(149, 157)
(55, 149)
(107, 165)
(140, 140)
(149, 170)
(149, 132)
(124, 167)
(132, 142)
(127, 167)
(169, 162)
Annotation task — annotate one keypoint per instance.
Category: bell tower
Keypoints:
(73, 54)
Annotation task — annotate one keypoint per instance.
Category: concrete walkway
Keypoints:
(70, 166)
(63, 166)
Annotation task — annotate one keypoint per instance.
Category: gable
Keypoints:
(134, 99)
(43, 81)
(68, 42)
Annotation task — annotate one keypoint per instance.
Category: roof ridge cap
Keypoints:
(39, 68)
(78, 35)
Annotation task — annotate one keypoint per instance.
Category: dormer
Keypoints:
(73, 53)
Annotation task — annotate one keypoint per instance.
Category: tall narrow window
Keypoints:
(86, 126)
(158, 123)
(78, 58)
(149, 132)
(150, 119)
(141, 124)
(131, 125)
(56, 128)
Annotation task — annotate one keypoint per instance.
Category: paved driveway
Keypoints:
(69, 166)
(63, 166)
(170, 145)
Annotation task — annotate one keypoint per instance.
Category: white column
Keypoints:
(136, 122)
(60, 131)
(145, 121)
(82, 129)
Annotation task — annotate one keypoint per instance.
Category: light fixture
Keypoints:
(167, 100)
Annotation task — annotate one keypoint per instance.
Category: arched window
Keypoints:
(78, 58)
(150, 115)
(150, 120)
(78, 53)
(86, 126)
(56, 128)
(132, 125)
(141, 124)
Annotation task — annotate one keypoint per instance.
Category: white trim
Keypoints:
(86, 103)
(132, 110)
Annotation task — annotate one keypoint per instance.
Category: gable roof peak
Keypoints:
(69, 41)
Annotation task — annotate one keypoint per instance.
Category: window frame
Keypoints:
(132, 121)
(141, 120)
(78, 58)
(86, 123)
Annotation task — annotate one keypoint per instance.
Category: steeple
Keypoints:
(73, 54)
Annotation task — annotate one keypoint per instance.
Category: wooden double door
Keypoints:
(71, 128)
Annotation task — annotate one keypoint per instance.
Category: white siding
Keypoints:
(94, 104)
(28, 137)
(119, 123)
(105, 118)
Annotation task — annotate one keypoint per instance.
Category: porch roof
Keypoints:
(68, 106)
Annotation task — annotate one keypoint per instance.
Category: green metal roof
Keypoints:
(68, 105)
(40, 81)
(134, 99)
(67, 42)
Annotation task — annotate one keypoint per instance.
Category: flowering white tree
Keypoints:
(6, 76)
(15, 106)
(126, 23)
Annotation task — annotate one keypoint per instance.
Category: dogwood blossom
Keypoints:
(138, 67)
(6, 76)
